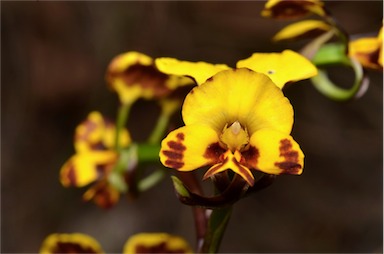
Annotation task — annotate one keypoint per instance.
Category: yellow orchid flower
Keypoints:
(302, 29)
(156, 243)
(94, 159)
(281, 68)
(239, 120)
(133, 75)
(138, 243)
(368, 51)
(70, 243)
(284, 67)
(288, 9)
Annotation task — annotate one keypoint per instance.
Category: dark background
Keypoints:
(53, 58)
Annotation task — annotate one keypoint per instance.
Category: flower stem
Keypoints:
(159, 129)
(199, 213)
(217, 224)
(122, 117)
(151, 180)
(324, 85)
(148, 152)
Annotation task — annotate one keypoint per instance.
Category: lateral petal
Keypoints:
(277, 153)
(190, 147)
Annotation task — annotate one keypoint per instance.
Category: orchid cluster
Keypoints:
(329, 45)
(238, 125)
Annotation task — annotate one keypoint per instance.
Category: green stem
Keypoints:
(217, 224)
(122, 117)
(324, 85)
(159, 129)
(151, 180)
(340, 32)
(147, 152)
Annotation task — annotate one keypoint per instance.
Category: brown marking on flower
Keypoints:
(291, 9)
(147, 76)
(89, 127)
(180, 136)
(97, 146)
(103, 194)
(250, 157)
(158, 248)
(173, 155)
(244, 172)
(71, 175)
(213, 170)
(290, 164)
(214, 152)
(67, 247)
(174, 164)
(370, 60)
(176, 146)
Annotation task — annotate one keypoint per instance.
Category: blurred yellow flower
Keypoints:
(239, 120)
(156, 243)
(368, 51)
(94, 159)
(288, 9)
(70, 243)
(302, 29)
(133, 75)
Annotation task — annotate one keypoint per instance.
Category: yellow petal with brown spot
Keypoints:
(277, 153)
(84, 168)
(156, 243)
(292, 9)
(368, 51)
(70, 243)
(103, 194)
(185, 148)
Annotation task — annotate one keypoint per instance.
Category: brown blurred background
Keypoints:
(54, 56)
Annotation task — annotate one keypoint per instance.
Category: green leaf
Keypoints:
(179, 187)
(325, 86)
